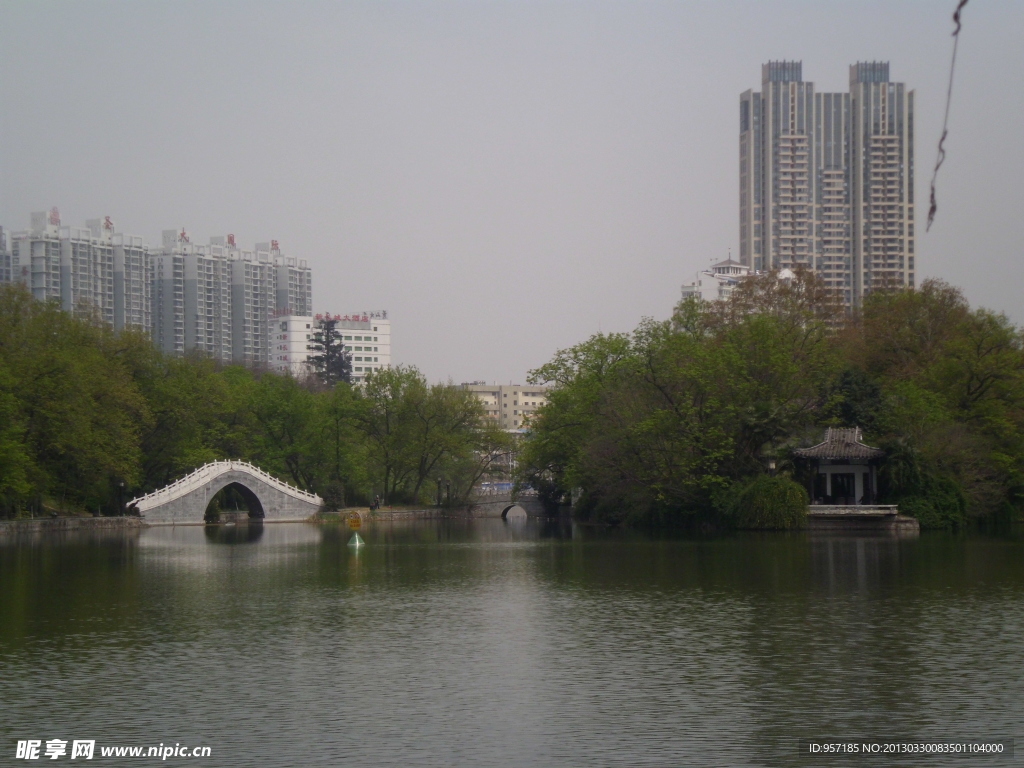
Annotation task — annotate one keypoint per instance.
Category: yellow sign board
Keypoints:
(355, 522)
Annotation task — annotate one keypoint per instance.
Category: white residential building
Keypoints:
(718, 282)
(510, 405)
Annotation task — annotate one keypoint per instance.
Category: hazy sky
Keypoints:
(506, 178)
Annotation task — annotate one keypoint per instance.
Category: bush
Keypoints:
(765, 503)
(942, 506)
(333, 496)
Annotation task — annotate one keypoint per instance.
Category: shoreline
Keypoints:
(899, 524)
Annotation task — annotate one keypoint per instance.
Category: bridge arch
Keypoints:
(249, 496)
(513, 512)
(186, 500)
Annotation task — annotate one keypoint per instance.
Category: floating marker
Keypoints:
(356, 541)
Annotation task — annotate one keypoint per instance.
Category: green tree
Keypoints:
(284, 439)
(386, 422)
(331, 363)
(653, 425)
(340, 444)
(446, 422)
(75, 409)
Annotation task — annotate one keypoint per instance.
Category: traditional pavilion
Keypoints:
(846, 468)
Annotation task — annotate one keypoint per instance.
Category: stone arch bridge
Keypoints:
(501, 505)
(185, 500)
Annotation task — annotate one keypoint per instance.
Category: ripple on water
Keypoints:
(490, 644)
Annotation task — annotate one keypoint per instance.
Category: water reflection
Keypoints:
(245, 533)
(493, 642)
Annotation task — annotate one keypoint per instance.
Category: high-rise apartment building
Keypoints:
(92, 269)
(293, 283)
(827, 179)
(225, 300)
(252, 299)
(218, 299)
(5, 258)
(192, 293)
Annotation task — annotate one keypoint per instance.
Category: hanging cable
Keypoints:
(933, 205)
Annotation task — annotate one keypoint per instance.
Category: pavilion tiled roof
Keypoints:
(840, 443)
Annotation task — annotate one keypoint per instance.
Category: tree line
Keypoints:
(90, 418)
(677, 420)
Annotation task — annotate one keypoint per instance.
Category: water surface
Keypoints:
(490, 643)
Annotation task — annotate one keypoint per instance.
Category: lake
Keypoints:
(496, 643)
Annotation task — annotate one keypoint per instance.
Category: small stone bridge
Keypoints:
(500, 505)
(185, 500)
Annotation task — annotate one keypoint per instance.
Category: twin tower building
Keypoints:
(827, 179)
(219, 299)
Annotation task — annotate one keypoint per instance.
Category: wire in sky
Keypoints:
(934, 206)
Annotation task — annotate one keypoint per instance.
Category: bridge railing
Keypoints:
(199, 477)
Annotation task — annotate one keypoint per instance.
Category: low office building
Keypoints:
(365, 335)
(292, 335)
(510, 405)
